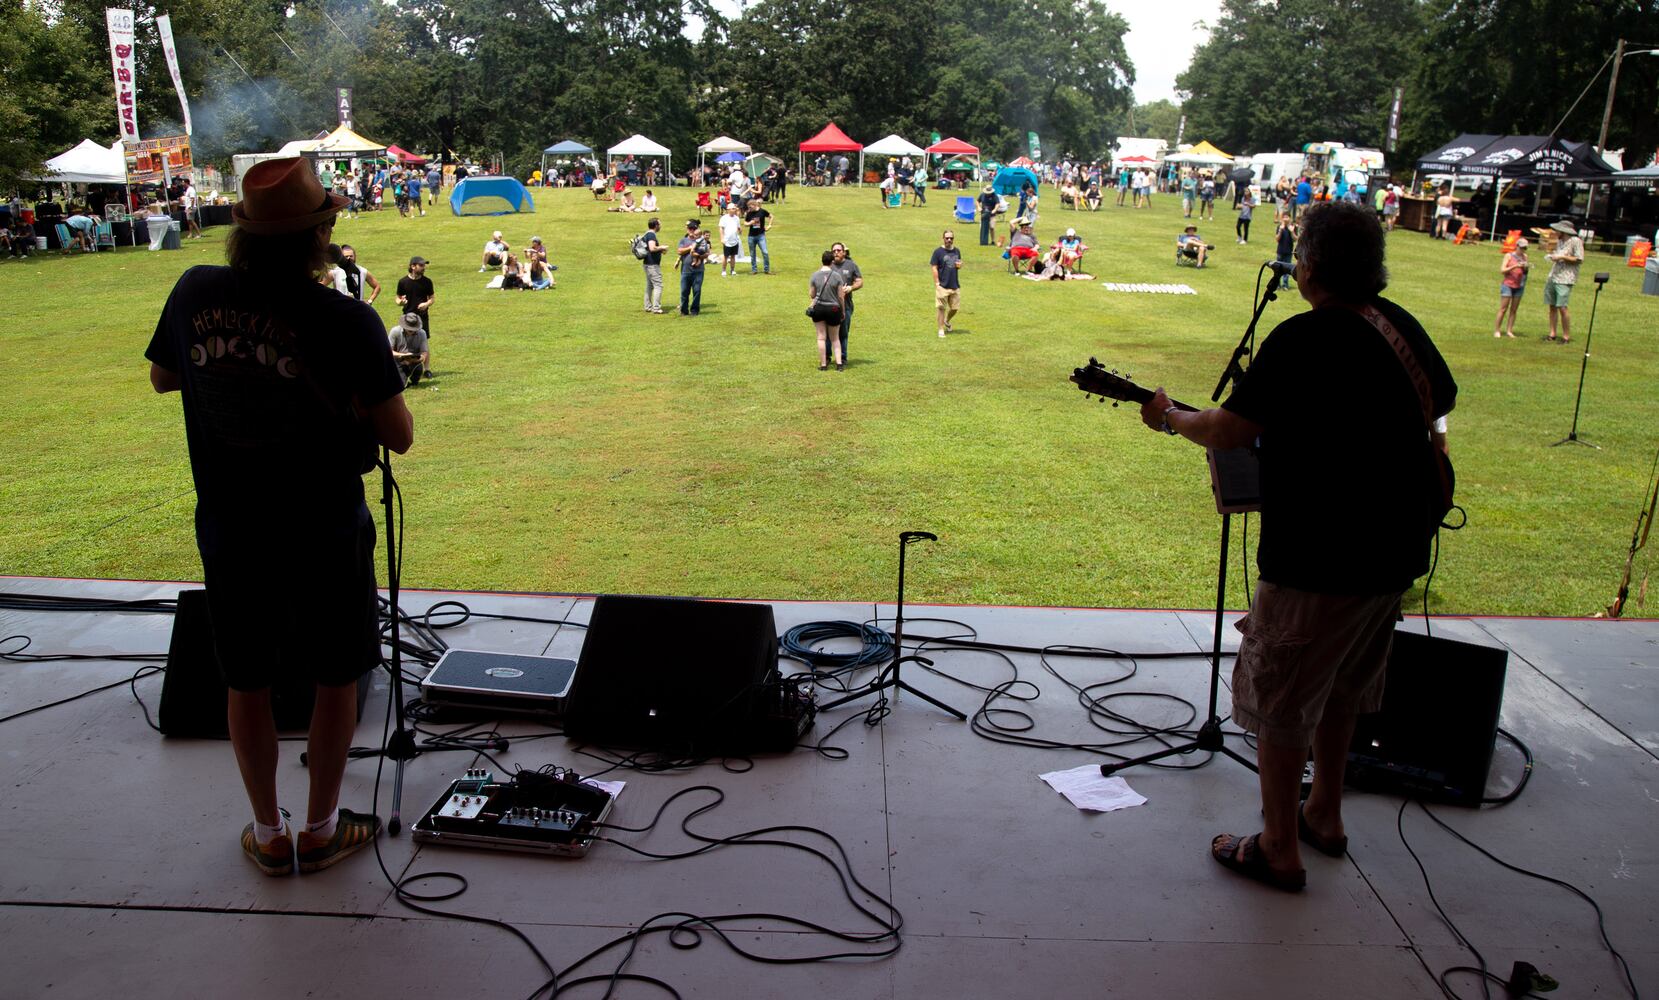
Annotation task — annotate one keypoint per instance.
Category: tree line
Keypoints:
(505, 78)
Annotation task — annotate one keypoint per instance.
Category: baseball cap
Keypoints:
(535, 239)
(417, 260)
(497, 234)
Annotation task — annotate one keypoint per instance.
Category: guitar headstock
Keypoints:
(1096, 380)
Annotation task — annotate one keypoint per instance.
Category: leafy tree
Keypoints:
(1516, 67)
(55, 90)
(1281, 73)
(1160, 119)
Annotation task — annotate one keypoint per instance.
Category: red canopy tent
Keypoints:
(1022, 161)
(830, 140)
(955, 147)
(404, 156)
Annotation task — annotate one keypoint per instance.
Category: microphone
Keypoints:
(1281, 268)
(906, 537)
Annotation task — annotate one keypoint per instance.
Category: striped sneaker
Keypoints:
(352, 832)
(275, 858)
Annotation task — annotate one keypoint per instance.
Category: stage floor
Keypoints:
(122, 868)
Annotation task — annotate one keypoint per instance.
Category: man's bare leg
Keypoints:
(253, 737)
(1280, 774)
(1330, 762)
(333, 723)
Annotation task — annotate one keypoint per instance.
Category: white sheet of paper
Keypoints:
(613, 788)
(1087, 788)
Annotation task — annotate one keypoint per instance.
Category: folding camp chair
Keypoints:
(704, 205)
(965, 208)
(1466, 233)
(66, 242)
(105, 238)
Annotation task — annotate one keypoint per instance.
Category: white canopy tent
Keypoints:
(893, 145)
(87, 163)
(638, 145)
(722, 144)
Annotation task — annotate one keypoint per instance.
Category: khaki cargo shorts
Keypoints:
(1306, 653)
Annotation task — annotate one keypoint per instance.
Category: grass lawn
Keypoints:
(572, 443)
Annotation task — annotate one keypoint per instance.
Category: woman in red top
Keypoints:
(1514, 267)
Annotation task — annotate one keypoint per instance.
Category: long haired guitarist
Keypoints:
(1339, 400)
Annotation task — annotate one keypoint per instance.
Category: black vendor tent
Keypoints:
(1512, 157)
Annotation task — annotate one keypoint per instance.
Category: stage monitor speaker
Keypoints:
(193, 692)
(672, 675)
(1433, 738)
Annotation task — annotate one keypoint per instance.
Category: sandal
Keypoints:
(1333, 847)
(1243, 855)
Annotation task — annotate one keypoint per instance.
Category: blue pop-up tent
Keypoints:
(1009, 180)
(490, 196)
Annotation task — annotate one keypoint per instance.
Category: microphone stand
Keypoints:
(885, 680)
(1572, 435)
(400, 744)
(1247, 343)
(1209, 737)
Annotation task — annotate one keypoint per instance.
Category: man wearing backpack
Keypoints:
(648, 249)
(1350, 491)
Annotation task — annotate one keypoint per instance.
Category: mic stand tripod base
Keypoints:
(1575, 439)
(891, 680)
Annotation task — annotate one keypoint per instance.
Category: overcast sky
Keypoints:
(1161, 39)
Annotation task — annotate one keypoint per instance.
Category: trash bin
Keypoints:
(40, 242)
(1650, 277)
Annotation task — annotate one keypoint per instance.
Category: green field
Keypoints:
(572, 443)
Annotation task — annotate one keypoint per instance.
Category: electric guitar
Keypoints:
(1235, 474)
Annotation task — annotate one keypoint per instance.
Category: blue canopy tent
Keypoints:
(1009, 180)
(568, 147)
(490, 196)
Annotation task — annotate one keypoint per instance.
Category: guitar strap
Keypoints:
(1408, 358)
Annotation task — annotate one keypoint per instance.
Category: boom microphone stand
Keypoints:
(1572, 435)
(885, 680)
(1210, 738)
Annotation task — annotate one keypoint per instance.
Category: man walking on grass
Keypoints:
(947, 282)
(287, 388)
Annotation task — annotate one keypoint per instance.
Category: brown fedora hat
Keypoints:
(283, 196)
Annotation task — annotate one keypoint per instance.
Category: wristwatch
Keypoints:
(1166, 428)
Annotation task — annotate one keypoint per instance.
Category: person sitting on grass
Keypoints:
(649, 202)
(495, 252)
(1192, 246)
(513, 273)
(538, 273)
(627, 203)
(1023, 246)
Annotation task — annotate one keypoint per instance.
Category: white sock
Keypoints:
(324, 828)
(265, 834)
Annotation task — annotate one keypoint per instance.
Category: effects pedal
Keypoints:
(533, 812)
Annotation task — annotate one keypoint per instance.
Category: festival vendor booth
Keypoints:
(955, 148)
(489, 195)
(1506, 160)
(638, 145)
(563, 151)
(86, 163)
(830, 140)
(890, 146)
(720, 145)
(1203, 154)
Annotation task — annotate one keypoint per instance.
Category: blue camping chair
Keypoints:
(105, 239)
(66, 242)
(965, 208)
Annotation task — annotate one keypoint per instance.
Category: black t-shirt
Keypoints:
(269, 374)
(988, 202)
(756, 218)
(415, 291)
(1345, 457)
(946, 261)
(653, 247)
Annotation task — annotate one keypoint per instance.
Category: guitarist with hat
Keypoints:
(1347, 490)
